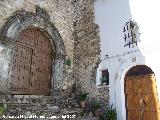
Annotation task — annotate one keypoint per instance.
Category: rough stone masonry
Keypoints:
(71, 26)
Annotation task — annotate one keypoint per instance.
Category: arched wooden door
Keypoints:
(32, 63)
(142, 98)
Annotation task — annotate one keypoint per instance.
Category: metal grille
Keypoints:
(142, 98)
(32, 63)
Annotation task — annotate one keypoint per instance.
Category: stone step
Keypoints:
(41, 108)
(42, 105)
(47, 112)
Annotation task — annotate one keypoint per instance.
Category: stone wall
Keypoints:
(86, 46)
(43, 14)
(59, 12)
(6, 48)
(71, 26)
(103, 96)
(74, 20)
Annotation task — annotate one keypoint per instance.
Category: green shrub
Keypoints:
(96, 105)
(104, 79)
(110, 114)
(2, 109)
(68, 62)
(83, 96)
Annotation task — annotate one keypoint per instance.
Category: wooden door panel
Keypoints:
(151, 101)
(157, 116)
(26, 38)
(32, 63)
(133, 85)
(21, 69)
(141, 96)
(128, 84)
(130, 116)
(149, 85)
(41, 74)
(149, 115)
(134, 115)
(41, 65)
(14, 77)
(133, 101)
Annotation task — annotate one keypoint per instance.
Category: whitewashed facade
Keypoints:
(116, 55)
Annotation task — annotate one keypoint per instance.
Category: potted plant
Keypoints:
(104, 80)
(68, 62)
(97, 109)
(83, 96)
(2, 109)
(110, 114)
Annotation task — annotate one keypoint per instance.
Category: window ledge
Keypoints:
(101, 86)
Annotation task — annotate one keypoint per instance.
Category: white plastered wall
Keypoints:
(111, 16)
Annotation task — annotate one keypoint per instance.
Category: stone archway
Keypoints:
(141, 95)
(20, 21)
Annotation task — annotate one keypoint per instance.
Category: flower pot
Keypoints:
(104, 83)
(97, 112)
(82, 104)
(100, 84)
